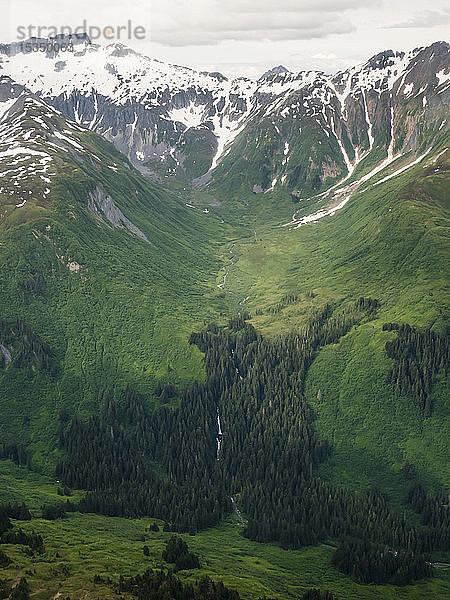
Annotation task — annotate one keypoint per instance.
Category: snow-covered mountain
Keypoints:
(309, 130)
(149, 109)
(33, 138)
(303, 131)
(39, 147)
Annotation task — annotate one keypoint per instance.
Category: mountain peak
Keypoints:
(274, 71)
(54, 44)
(165, 116)
(384, 59)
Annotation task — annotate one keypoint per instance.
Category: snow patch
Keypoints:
(5, 106)
(436, 157)
(402, 169)
(322, 213)
(407, 90)
(190, 116)
(442, 77)
(350, 167)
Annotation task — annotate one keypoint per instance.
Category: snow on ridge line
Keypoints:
(119, 73)
(5, 106)
(22, 150)
(26, 160)
(96, 70)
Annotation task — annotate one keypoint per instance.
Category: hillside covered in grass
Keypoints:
(110, 270)
(269, 388)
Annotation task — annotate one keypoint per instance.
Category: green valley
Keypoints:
(263, 374)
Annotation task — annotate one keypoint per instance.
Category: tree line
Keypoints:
(28, 350)
(160, 585)
(267, 457)
(419, 356)
(10, 536)
(370, 563)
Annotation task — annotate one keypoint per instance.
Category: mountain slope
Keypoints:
(302, 131)
(163, 117)
(100, 263)
(311, 130)
(389, 242)
(106, 274)
(93, 191)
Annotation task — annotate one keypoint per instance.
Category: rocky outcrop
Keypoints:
(100, 203)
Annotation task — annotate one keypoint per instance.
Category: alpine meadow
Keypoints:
(224, 334)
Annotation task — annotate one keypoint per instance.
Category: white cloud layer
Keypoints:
(200, 22)
(428, 18)
(212, 21)
(246, 37)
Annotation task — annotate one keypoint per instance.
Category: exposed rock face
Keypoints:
(167, 119)
(37, 143)
(301, 130)
(99, 202)
(51, 46)
(9, 89)
(6, 352)
(309, 130)
(274, 71)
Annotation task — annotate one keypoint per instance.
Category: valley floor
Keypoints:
(396, 256)
(83, 545)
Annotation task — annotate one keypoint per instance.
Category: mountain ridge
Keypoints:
(176, 122)
(271, 339)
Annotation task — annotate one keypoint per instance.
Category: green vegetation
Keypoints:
(113, 308)
(419, 357)
(83, 545)
(97, 321)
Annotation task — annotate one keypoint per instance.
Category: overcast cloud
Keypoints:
(428, 18)
(246, 37)
(212, 21)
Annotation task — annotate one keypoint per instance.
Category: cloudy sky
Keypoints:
(241, 37)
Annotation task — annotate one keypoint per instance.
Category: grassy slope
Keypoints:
(124, 317)
(127, 313)
(390, 243)
(90, 544)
